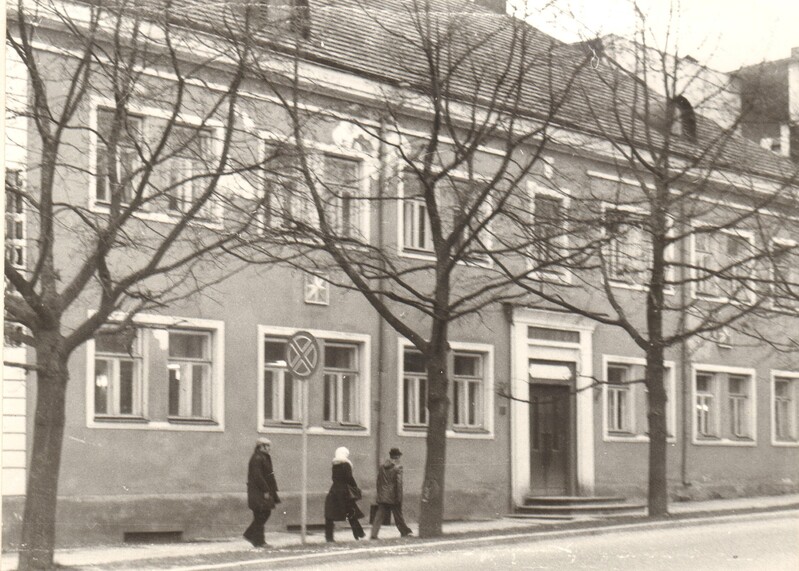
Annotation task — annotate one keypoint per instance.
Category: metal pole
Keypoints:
(304, 501)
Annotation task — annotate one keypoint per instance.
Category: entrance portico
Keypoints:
(552, 414)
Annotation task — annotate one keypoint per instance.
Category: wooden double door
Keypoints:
(552, 445)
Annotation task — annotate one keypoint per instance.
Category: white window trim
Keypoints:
(792, 306)
(419, 254)
(793, 376)
(721, 441)
(365, 380)
(746, 234)
(370, 167)
(671, 404)
(562, 275)
(217, 328)
(668, 254)
(486, 432)
(146, 112)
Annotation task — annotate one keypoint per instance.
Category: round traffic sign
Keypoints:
(302, 354)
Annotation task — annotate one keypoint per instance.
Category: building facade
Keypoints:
(161, 418)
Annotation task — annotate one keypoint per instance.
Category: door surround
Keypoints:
(577, 348)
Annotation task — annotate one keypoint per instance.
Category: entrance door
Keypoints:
(550, 439)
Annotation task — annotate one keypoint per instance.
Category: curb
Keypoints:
(299, 553)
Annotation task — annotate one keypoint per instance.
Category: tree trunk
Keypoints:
(431, 513)
(38, 525)
(658, 484)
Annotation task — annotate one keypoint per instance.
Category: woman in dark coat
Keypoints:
(340, 504)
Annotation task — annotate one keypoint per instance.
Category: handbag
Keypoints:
(269, 501)
(353, 492)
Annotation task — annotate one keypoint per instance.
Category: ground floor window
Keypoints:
(337, 393)
(471, 381)
(626, 398)
(724, 404)
(154, 374)
(785, 388)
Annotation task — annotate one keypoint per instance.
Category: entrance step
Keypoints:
(576, 506)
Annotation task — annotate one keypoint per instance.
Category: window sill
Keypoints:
(189, 420)
(718, 441)
(343, 426)
(158, 216)
(469, 430)
(121, 419)
(282, 423)
(414, 428)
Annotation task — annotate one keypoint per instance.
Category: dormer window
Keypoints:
(291, 15)
(683, 118)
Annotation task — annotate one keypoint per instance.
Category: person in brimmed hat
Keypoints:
(261, 491)
(389, 494)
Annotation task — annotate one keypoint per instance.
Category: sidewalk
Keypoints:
(120, 554)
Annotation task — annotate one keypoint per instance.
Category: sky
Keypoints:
(722, 34)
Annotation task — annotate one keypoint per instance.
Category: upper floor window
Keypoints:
(724, 404)
(627, 254)
(117, 165)
(722, 266)
(468, 226)
(187, 169)
(549, 234)
(785, 274)
(15, 247)
(288, 203)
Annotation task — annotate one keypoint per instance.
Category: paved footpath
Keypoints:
(225, 553)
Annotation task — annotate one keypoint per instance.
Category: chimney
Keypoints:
(498, 6)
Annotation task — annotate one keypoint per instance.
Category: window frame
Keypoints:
(316, 153)
(637, 394)
(747, 235)
(564, 196)
(363, 341)
(139, 394)
(614, 280)
(282, 371)
(147, 114)
(793, 378)
(483, 432)
(720, 393)
(16, 223)
(207, 383)
(422, 253)
(158, 325)
(778, 303)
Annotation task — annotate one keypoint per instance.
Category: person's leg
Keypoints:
(329, 526)
(259, 520)
(357, 530)
(400, 520)
(380, 513)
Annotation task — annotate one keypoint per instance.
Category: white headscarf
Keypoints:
(342, 455)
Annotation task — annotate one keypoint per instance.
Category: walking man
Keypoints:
(389, 494)
(261, 491)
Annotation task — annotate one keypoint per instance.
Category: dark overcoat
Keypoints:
(389, 484)
(338, 505)
(260, 479)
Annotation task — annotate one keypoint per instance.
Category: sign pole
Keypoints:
(304, 508)
(302, 359)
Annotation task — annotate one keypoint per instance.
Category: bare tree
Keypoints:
(458, 126)
(136, 224)
(682, 229)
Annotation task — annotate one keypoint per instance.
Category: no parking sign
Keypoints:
(302, 354)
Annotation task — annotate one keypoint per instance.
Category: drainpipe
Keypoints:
(687, 408)
(381, 328)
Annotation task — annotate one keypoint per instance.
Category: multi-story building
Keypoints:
(770, 99)
(159, 425)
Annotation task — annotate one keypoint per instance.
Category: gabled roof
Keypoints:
(383, 40)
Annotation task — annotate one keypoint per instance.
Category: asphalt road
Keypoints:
(755, 543)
